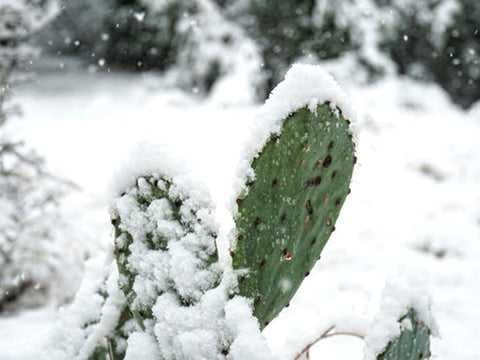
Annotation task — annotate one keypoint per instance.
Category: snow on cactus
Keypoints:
(167, 257)
(402, 328)
(183, 301)
(177, 299)
(296, 176)
(96, 324)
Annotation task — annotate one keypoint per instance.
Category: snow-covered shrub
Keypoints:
(144, 34)
(20, 19)
(288, 30)
(458, 71)
(436, 41)
(217, 52)
(312, 31)
(32, 240)
(31, 260)
(78, 28)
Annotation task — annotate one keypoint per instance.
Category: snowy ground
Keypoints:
(414, 207)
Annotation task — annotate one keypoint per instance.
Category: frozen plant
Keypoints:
(30, 255)
(179, 300)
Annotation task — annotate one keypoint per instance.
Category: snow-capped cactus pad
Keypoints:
(164, 243)
(402, 328)
(413, 342)
(291, 201)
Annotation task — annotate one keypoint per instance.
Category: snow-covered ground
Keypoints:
(414, 207)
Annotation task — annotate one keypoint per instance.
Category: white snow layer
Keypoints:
(401, 293)
(91, 318)
(304, 86)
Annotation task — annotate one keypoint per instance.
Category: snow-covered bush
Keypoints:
(144, 34)
(436, 41)
(181, 298)
(216, 51)
(78, 28)
(32, 259)
(286, 31)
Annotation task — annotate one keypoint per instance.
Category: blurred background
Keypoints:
(430, 40)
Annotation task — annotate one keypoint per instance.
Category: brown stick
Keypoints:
(109, 349)
(325, 334)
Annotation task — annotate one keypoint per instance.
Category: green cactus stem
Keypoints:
(302, 178)
(413, 343)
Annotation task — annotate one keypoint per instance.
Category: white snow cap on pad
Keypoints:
(400, 294)
(304, 86)
(147, 158)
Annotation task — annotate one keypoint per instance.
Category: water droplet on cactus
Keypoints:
(285, 285)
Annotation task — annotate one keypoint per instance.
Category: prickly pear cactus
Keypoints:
(115, 344)
(302, 179)
(156, 223)
(413, 343)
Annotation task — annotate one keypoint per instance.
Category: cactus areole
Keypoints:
(302, 177)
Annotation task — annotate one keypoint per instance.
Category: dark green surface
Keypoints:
(412, 344)
(302, 180)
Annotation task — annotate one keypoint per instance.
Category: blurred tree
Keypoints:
(431, 40)
(78, 28)
(457, 67)
(289, 30)
(436, 40)
(29, 261)
(144, 36)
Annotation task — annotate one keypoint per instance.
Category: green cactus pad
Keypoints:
(413, 343)
(302, 179)
(184, 217)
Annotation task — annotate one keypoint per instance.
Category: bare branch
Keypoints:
(326, 334)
